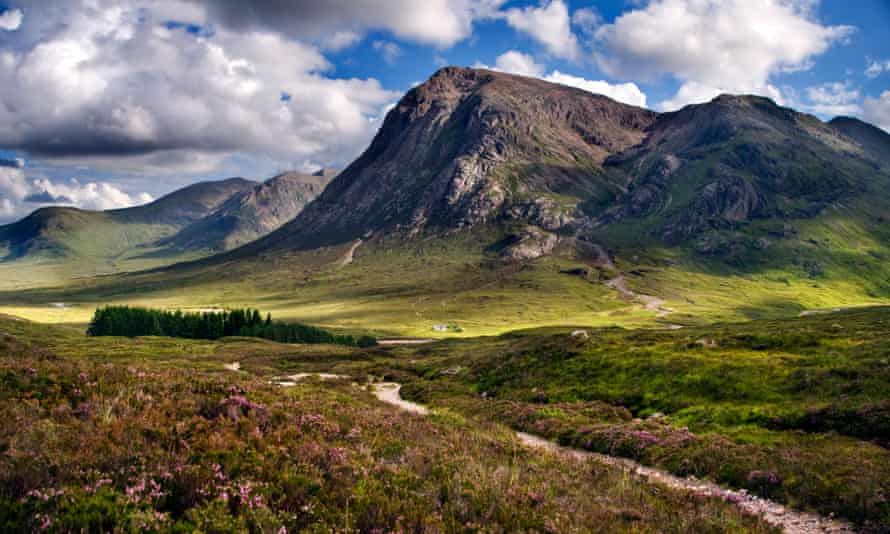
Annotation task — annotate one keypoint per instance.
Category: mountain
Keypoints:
(253, 213)
(734, 160)
(490, 202)
(467, 147)
(186, 205)
(59, 232)
(472, 147)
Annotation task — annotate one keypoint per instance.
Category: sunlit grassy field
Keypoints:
(394, 287)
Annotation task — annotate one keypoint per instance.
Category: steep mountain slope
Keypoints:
(719, 165)
(463, 147)
(874, 141)
(250, 214)
(188, 204)
(60, 232)
(471, 147)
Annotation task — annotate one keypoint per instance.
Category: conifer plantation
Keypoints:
(131, 321)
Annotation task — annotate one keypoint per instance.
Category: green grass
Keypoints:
(390, 288)
(151, 435)
(399, 287)
(805, 399)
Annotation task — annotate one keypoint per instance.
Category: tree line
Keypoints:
(132, 321)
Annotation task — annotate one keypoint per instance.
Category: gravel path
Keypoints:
(349, 255)
(405, 341)
(388, 392)
(790, 521)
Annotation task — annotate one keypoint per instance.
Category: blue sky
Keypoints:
(109, 103)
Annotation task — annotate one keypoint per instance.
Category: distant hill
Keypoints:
(60, 232)
(252, 213)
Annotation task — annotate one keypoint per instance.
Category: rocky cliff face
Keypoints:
(472, 147)
(469, 147)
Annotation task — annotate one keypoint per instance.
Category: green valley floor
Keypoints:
(173, 435)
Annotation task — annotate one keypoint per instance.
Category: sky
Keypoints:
(113, 103)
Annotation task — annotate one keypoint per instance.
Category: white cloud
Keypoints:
(110, 86)
(875, 68)
(12, 184)
(695, 93)
(715, 45)
(516, 62)
(833, 99)
(438, 22)
(89, 195)
(877, 110)
(340, 40)
(549, 24)
(20, 195)
(388, 50)
(7, 210)
(11, 19)
(628, 93)
(587, 19)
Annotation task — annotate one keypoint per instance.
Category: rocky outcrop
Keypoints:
(532, 243)
(545, 213)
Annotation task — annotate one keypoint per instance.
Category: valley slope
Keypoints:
(492, 202)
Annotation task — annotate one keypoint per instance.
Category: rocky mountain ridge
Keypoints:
(471, 147)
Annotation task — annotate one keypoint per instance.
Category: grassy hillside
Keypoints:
(56, 244)
(796, 410)
(397, 287)
(152, 435)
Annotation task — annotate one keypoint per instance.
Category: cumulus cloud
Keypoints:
(549, 24)
(11, 19)
(388, 50)
(20, 195)
(833, 99)
(515, 62)
(877, 110)
(715, 46)
(89, 195)
(628, 93)
(874, 68)
(340, 40)
(13, 186)
(113, 85)
(437, 22)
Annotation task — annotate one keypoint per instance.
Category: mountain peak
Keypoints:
(463, 147)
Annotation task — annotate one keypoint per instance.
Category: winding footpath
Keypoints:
(777, 515)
